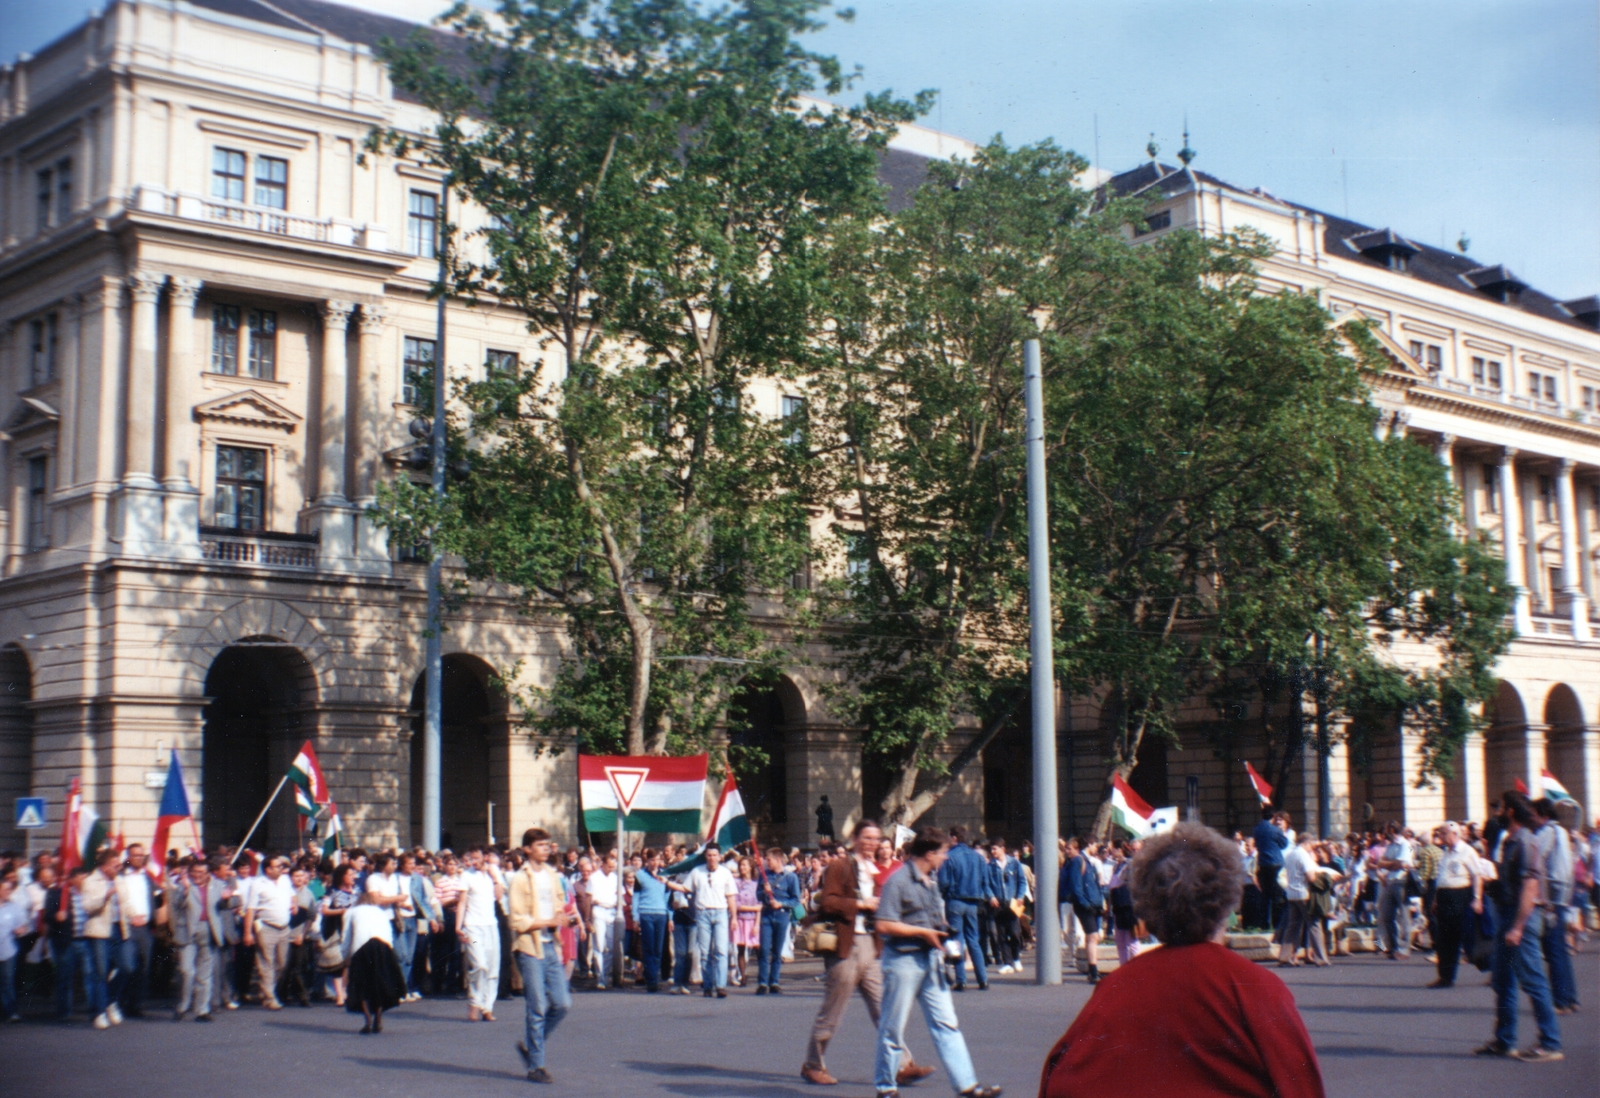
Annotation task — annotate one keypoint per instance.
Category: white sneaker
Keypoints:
(101, 1022)
(114, 1012)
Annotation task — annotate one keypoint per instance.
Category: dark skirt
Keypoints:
(376, 981)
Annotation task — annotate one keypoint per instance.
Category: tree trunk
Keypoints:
(902, 807)
(1123, 769)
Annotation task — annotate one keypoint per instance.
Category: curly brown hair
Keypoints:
(1186, 883)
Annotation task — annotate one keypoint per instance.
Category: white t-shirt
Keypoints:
(391, 884)
(602, 888)
(1457, 866)
(1299, 867)
(478, 887)
(711, 888)
(545, 894)
(866, 885)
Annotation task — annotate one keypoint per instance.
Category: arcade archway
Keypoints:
(261, 697)
(473, 744)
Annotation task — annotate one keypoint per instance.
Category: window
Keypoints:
(858, 556)
(1435, 358)
(1588, 398)
(1485, 372)
(501, 364)
(46, 192)
(416, 369)
(1555, 581)
(227, 175)
(1491, 489)
(38, 491)
(225, 339)
(43, 335)
(241, 488)
(272, 182)
(794, 411)
(1547, 498)
(263, 361)
(1542, 386)
(1416, 350)
(63, 191)
(422, 224)
(1157, 221)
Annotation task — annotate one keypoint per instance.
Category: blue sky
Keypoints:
(1434, 118)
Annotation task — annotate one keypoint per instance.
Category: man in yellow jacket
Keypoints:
(538, 903)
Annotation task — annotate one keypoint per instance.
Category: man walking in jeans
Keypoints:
(537, 906)
(1395, 866)
(849, 896)
(713, 891)
(911, 919)
(1518, 924)
(1555, 849)
(964, 881)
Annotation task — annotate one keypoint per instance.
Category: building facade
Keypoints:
(213, 314)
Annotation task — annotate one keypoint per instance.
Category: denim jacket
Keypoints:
(782, 886)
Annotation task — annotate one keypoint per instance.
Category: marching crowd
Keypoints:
(215, 930)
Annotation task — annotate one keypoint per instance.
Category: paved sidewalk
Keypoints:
(1378, 1032)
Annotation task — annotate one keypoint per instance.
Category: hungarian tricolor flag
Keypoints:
(652, 792)
(335, 831)
(174, 809)
(729, 824)
(82, 834)
(1129, 810)
(1553, 788)
(1263, 790)
(307, 775)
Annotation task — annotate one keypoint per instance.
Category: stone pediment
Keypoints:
(249, 408)
(31, 414)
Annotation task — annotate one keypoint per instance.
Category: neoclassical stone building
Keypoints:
(211, 314)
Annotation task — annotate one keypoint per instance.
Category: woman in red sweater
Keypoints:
(1192, 1017)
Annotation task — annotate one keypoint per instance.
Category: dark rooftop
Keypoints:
(1350, 239)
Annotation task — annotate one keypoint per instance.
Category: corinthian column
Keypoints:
(1510, 536)
(368, 434)
(180, 473)
(139, 460)
(335, 379)
(1571, 596)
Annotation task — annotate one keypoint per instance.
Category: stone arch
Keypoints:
(1564, 740)
(474, 753)
(261, 620)
(16, 738)
(261, 707)
(1505, 742)
(764, 720)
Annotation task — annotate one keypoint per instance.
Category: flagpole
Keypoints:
(617, 920)
(259, 818)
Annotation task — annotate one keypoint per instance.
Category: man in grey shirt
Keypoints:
(912, 922)
(1518, 960)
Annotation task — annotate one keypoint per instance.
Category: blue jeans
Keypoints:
(681, 961)
(964, 925)
(1521, 964)
(8, 987)
(96, 986)
(711, 935)
(133, 962)
(70, 959)
(419, 958)
(546, 996)
(405, 947)
(652, 937)
(774, 933)
(1563, 981)
(919, 976)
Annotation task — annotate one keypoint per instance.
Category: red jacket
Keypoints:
(1193, 1020)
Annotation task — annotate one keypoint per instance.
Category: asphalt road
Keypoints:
(1377, 1030)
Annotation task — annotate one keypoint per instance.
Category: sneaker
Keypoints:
(101, 1022)
(1571, 1008)
(761, 989)
(1538, 1054)
(202, 1017)
(114, 1014)
(539, 1075)
(981, 1092)
(1493, 1048)
(722, 993)
(777, 989)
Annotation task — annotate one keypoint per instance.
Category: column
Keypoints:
(366, 437)
(1532, 764)
(139, 518)
(1444, 449)
(183, 444)
(1585, 542)
(1510, 537)
(335, 379)
(1570, 599)
(139, 464)
(181, 473)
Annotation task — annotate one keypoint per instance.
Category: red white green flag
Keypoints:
(651, 792)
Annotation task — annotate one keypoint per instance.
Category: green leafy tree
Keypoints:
(656, 186)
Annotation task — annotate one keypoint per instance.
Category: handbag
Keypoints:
(330, 955)
(818, 937)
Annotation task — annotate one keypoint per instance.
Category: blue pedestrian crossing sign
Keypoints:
(30, 812)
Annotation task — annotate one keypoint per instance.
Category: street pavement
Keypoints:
(1378, 1033)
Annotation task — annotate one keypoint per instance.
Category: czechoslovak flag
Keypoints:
(305, 773)
(650, 792)
(1553, 788)
(1263, 790)
(174, 809)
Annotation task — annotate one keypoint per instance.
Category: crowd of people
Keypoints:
(220, 929)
